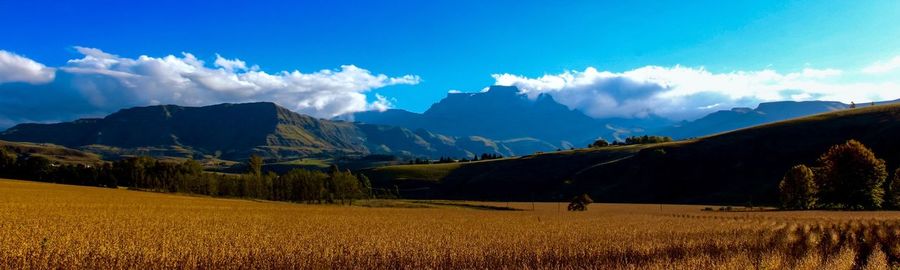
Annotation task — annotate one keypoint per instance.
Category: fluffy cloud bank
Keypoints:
(16, 68)
(684, 93)
(100, 82)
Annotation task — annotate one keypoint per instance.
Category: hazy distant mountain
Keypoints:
(502, 113)
(234, 131)
(738, 118)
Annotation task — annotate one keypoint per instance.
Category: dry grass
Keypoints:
(54, 226)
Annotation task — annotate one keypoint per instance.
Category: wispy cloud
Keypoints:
(883, 66)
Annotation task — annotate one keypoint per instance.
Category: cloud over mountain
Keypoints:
(100, 82)
(683, 92)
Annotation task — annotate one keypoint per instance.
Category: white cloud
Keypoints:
(683, 93)
(381, 103)
(103, 82)
(816, 73)
(230, 65)
(16, 68)
(883, 66)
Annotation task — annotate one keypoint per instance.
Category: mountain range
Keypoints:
(235, 131)
(499, 121)
(503, 113)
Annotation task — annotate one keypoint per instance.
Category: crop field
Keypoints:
(45, 226)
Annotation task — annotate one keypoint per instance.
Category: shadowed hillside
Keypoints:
(738, 167)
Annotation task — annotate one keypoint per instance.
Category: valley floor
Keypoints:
(46, 226)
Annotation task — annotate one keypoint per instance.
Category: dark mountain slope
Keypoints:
(234, 131)
(736, 168)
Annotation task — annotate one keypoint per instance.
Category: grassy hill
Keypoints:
(55, 153)
(737, 167)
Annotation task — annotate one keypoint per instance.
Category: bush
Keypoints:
(798, 188)
(580, 202)
(852, 177)
(599, 143)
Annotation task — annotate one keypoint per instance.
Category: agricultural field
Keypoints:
(45, 226)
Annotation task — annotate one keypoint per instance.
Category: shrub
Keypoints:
(580, 202)
(599, 143)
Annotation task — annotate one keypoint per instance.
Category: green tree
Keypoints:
(37, 168)
(798, 188)
(302, 186)
(852, 177)
(344, 186)
(892, 196)
(189, 177)
(7, 162)
(255, 165)
(365, 186)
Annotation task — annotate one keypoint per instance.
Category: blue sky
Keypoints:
(459, 45)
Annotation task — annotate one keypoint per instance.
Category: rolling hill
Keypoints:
(738, 167)
(54, 153)
(234, 131)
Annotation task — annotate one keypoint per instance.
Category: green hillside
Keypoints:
(55, 153)
(738, 167)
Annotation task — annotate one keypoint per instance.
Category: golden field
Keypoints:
(46, 226)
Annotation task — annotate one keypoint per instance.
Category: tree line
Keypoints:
(646, 139)
(442, 160)
(145, 173)
(846, 176)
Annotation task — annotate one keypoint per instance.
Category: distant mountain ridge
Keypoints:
(768, 112)
(736, 118)
(234, 131)
(503, 113)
